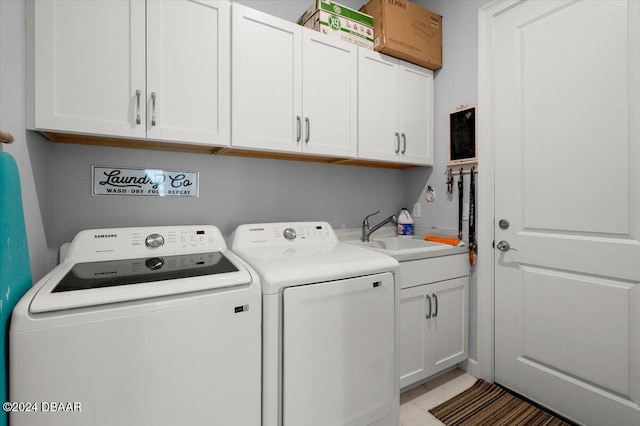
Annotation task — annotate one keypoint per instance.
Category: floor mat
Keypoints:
(488, 404)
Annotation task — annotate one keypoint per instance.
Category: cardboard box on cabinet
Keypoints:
(336, 20)
(406, 31)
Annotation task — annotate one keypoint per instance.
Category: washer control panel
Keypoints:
(183, 238)
(145, 241)
(283, 233)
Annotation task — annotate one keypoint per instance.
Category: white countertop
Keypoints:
(389, 231)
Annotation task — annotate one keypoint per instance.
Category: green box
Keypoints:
(336, 20)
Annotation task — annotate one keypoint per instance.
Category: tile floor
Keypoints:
(416, 403)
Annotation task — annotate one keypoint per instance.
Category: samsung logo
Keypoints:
(255, 229)
(98, 274)
(105, 236)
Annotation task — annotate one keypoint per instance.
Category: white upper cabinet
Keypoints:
(267, 81)
(395, 119)
(294, 90)
(130, 69)
(86, 64)
(188, 66)
(416, 114)
(159, 71)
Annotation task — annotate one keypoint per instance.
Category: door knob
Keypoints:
(503, 245)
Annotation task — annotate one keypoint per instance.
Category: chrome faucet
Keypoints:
(366, 231)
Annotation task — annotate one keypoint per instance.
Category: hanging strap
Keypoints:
(473, 247)
(460, 197)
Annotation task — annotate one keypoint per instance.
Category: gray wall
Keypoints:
(456, 83)
(233, 191)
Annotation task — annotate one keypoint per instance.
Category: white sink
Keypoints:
(401, 247)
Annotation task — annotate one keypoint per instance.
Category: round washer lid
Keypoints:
(84, 284)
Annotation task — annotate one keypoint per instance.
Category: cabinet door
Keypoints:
(86, 62)
(188, 68)
(414, 307)
(449, 323)
(378, 131)
(416, 114)
(338, 352)
(267, 82)
(329, 95)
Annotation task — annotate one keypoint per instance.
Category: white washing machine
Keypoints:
(139, 326)
(329, 326)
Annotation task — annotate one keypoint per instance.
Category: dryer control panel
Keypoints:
(125, 243)
(283, 233)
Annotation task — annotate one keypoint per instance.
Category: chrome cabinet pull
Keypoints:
(306, 120)
(429, 299)
(404, 146)
(153, 108)
(397, 142)
(299, 124)
(435, 298)
(138, 94)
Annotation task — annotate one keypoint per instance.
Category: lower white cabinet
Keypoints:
(434, 304)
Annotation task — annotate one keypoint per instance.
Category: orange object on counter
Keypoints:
(444, 240)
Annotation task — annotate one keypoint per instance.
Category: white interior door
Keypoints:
(566, 90)
(338, 352)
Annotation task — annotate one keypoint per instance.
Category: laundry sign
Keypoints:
(144, 182)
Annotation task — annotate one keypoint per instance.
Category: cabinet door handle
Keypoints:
(404, 145)
(153, 108)
(299, 124)
(429, 299)
(435, 298)
(306, 139)
(138, 94)
(397, 142)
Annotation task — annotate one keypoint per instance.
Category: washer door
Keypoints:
(338, 352)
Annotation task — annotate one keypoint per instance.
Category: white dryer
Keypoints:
(139, 326)
(329, 326)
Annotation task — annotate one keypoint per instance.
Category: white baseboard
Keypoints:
(470, 366)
